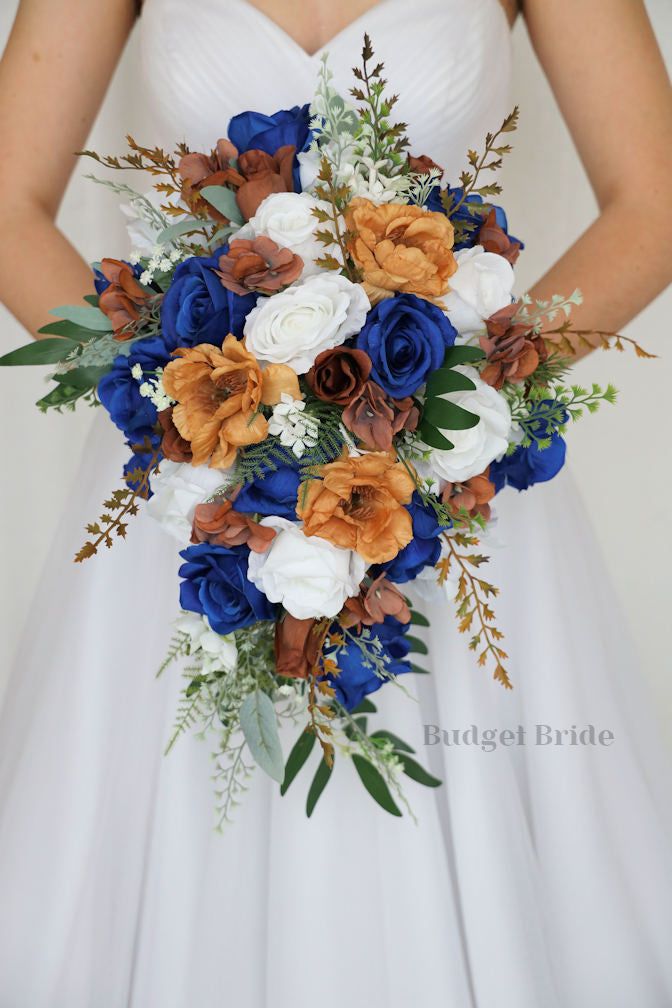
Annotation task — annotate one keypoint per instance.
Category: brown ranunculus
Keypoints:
(124, 300)
(258, 264)
(382, 598)
(298, 645)
(375, 419)
(358, 503)
(494, 239)
(472, 496)
(401, 247)
(173, 445)
(339, 375)
(513, 352)
(220, 524)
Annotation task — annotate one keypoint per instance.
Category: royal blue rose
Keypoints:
(254, 131)
(424, 548)
(357, 678)
(406, 338)
(119, 391)
(468, 214)
(198, 309)
(527, 466)
(215, 584)
(275, 494)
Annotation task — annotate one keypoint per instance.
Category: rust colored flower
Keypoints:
(220, 524)
(264, 174)
(173, 445)
(298, 645)
(258, 265)
(200, 170)
(422, 165)
(382, 598)
(124, 300)
(473, 496)
(339, 375)
(512, 352)
(375, 419)
(494, 239)
(401, 248)
(219, 393)
(358, 503)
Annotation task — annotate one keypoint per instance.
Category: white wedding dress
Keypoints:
(536, 877)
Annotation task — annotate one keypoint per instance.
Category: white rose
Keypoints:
(308, 575)
(219, 652)
(288, 219)
(480, 287)
(297, 324)
(477, 447)
(177, 488)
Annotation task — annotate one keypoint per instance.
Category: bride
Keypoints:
(538, 876)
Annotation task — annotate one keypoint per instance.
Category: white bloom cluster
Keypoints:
(295, 429)
(218, 653)
(152, 388)
(369, 179)
(162, 261)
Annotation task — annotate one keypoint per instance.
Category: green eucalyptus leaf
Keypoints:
(418, 669)
(82, 378)
(224, 200)
(87, 318)
(417, 619)
(180, 228)
(431, 436)
(398, 743)
(416, 645)
(417, 772)
(445, 380)
(320, 781)
(92, 299)
(69, 330)
(448, 416)
(297, 757)
(46, 351)
(462, 355)
(375, 785)
(260, 727)
(365, 707)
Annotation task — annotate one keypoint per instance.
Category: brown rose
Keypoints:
(373, 604)
(200, 170)
(339, 375)
(124, 300)
(264, 174)
(298, 645)
(494, 239)
(218, 523)
(472, 496)
(513, 352)
(258, 265)
(401, 248)
(173, 445)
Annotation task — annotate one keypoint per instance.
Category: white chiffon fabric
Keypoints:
(535, 877)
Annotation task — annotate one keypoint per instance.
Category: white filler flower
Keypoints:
(477, 447)
(480, 287)
(177, 488)
(308, 575)
(218, 652)
(297, 324)
(289, 422)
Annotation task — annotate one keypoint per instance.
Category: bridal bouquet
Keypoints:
(322, 377)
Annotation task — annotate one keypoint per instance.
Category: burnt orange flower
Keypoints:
(422, 164)
(200, 170)
(382, 598)
(494, 239)
(219, 393)
(357, 503)
(220, 524)
(258, 265)
(264, 174)
(374, 418)
(513, 352)
(298, 645)
(401, 248)
(173, 445)
(124, 300)
(472, 496)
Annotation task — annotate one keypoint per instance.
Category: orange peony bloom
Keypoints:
(401, 248)
(219, 393)
(357, 503)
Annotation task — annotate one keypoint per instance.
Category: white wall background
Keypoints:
(620, 458)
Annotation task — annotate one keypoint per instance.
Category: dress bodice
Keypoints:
(449, 61)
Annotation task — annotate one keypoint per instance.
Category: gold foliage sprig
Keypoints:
(490, 160)
(473, 606)
(567, 340)
(337, 198)
(320, 710)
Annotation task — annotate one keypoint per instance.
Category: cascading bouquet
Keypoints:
(318, 366)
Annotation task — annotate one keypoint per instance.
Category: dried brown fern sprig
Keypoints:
(337, 197)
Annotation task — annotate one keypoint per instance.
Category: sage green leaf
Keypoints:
(260, 728)
(416, 644)
(300, 752)
(375, 785)
(320, 781)
(447, 415)
(417, 772)
(47, 351)
(417, 619)
(224, 200)
(87, 318)
(180, 228)
(431, 436)
(398, 743)
(82, 378)
(446, 380)
(462, 355)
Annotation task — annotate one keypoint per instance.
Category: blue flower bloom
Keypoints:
(198, 309)
(406, 338)
(423, 550)
(216, 585)
(357, 679)
(527, 466)
(254, 131)
(119, 392)
(275, 494)
(467, 214)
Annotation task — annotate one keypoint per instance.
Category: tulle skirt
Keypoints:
(536, 876)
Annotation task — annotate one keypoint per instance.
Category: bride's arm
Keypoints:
(53, 76)
(606, 71)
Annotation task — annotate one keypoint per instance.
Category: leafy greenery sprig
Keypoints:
(543, 411)
(379, 139)
(336, 197)
(490, 160)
